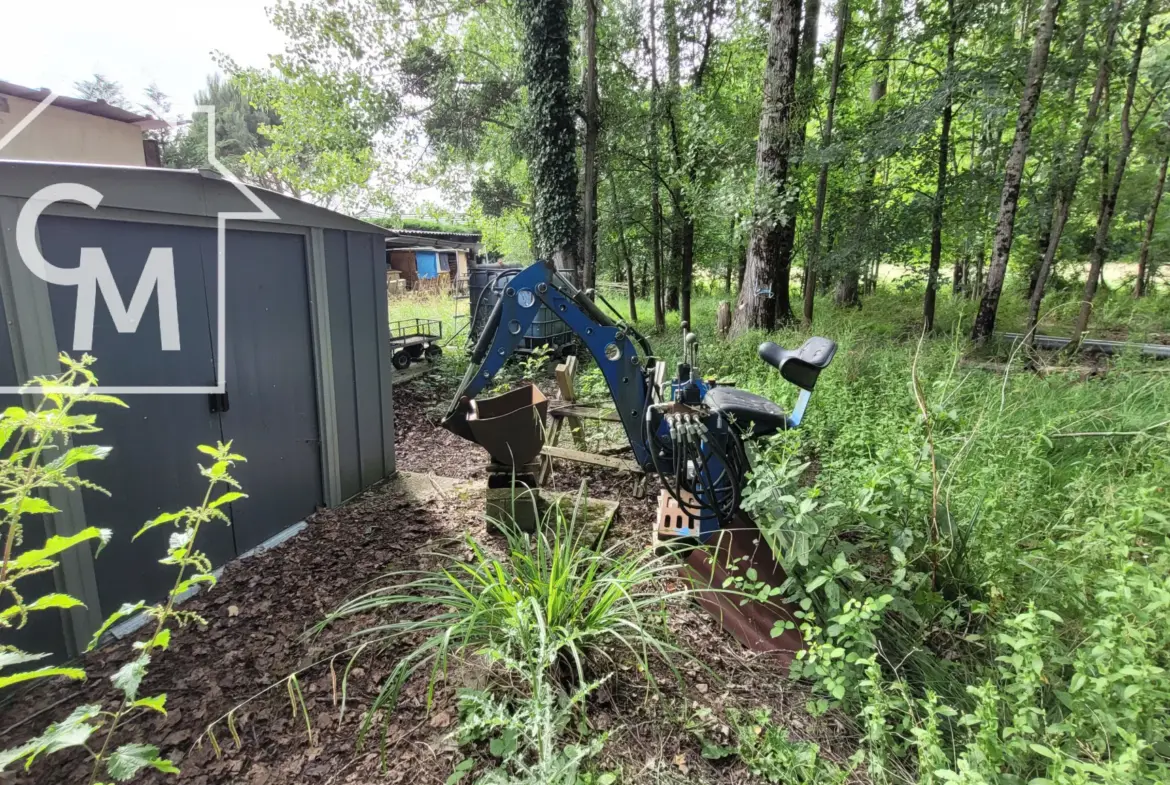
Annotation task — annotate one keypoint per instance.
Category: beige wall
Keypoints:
(64, 135)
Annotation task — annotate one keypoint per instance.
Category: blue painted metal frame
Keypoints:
(624, 376)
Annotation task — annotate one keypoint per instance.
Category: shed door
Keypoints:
(428, 264)
(271, 387)
(153, 466)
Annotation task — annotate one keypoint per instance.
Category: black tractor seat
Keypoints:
(753, 415)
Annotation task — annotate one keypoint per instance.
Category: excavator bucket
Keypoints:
(730, 553)
(510, 426)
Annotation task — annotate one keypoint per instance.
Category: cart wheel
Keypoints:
(400, 360)
(434, 352)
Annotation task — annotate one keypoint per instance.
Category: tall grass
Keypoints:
(1016, 572)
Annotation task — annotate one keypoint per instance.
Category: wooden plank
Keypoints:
(583, 412)
(554, 431)
(593, 459)
(566, 373)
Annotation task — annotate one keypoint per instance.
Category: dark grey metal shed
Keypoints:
(305, 368)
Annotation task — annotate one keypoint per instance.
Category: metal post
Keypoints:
(323, 367)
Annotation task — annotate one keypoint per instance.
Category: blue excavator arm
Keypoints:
(627, 373)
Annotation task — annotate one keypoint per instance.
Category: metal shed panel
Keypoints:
(341, 323)
(43, 632)
(126, 247)
(365, 355)
(152, 468)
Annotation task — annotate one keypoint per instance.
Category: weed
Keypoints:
(767, 751)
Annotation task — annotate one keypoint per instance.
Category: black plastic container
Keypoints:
(486, 284)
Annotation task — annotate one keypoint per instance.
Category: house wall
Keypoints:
(64, 135)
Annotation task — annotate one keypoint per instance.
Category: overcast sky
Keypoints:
(54, 43)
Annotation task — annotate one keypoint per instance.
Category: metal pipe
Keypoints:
(1160, 351)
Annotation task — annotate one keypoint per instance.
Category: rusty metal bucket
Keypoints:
(729, 553)
(510, 426)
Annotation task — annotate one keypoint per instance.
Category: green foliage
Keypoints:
(32, 437)
(40, 457)
(551, 136)
(768, 752)
(979, 591)
(556, 606)
(424, 224)
(237, 135)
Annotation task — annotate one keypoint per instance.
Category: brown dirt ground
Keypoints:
(261, 607)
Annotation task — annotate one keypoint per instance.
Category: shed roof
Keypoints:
(410, 242)
(85, 106)
(464, 237)
(201, 193)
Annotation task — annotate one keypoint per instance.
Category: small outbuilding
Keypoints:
(222, 323)
(432, 259)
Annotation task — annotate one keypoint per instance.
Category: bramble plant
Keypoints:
(23, 472)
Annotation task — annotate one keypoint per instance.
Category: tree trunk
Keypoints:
(655, 201)
(1109, 202)
(674, 269)
(801, 109)
(814, 251)
(741, 268)
(1144, 270)
(1009, 201)
(730, 258)
(592, 132)
(848, 291)
(678, 294)
(758, 298)
(959, 275)
(940, 189)
(977, 290)
(625, 249)
(1068, 187)
(1046, 209)
(683, 219)
(553, 159)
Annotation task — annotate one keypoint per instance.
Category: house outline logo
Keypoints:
(92, 276)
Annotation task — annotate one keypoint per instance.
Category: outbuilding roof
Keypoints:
(199, 193)
(85, 106)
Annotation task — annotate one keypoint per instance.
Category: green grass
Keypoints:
(1040, 574)
(986, 592)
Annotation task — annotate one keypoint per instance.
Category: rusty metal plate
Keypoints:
(730, 552)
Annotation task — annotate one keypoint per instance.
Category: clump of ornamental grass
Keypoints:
(557, 606)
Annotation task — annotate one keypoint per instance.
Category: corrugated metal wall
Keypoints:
(356, 266)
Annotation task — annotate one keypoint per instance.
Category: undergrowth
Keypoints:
(979, 550)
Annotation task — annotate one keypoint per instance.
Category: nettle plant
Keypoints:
(41, 456)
